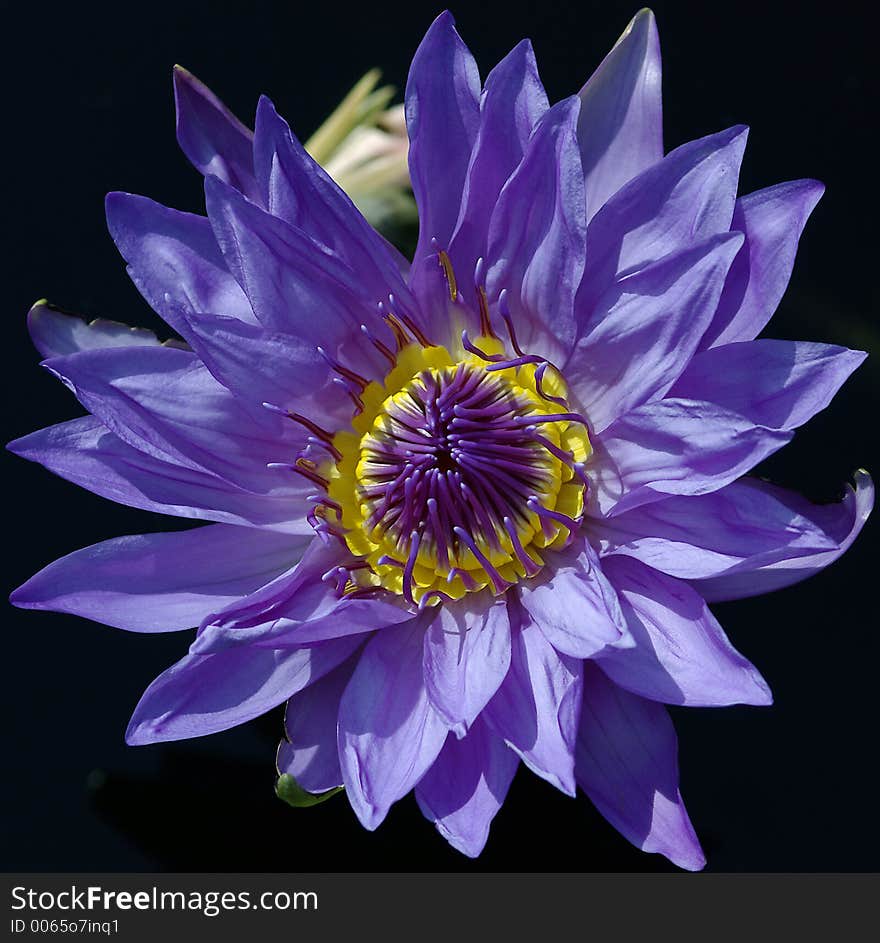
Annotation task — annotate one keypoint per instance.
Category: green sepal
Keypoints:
(288, 789)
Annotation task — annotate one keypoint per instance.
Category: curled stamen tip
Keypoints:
(479, 271)
(274, 409)
(435, 243)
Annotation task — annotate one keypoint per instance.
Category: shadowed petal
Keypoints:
(777, 384)
(647, 329)
(204, 694)
(466, 786)
(681, 655)
(537, 707)
(627, 763)
(536, 235)
(466, 657)
(161, 582)
(173, 259)
(574, 605)
(842, 522)
(621, 124)
(389, 735)
(772, 220)
(214, 140)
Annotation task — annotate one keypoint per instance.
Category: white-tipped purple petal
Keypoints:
(310, 753)
(513, 100)
(574, 605)
(777, 384)
(681, 654)
(684, 199)
(537, 708)
(161, 582)
(627, 763)
(173, 259)
(85, 452)
(56, 333)
(442, 103)
(389, 734)
(841, 522)
(746, 525)
(466, 786)
(214, 140)
(646, 330)
(466, 657)
(621, 124)
(204, 694)
(675, 446)
(536, 235)
(772, 221)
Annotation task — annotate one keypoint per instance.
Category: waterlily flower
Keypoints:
(467, 512)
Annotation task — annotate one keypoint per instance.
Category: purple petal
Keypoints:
(575, 606)
(513, 101)
(646, 329)
(537, 708)
(777, 384)
(389, 735)
(173, 259)
(675, 446)
(621, 123)
(842, 522)
(466, 657)
(204, 694)
(466, 786)
(165, 402)
(442, 117)
(56, 334)
(684, 199)
(746, 525)
(85, 452)
(211, 136)
(309, 753)
(627, 763)
(772, 220)
(681, 655)
(536, 235)
(299, 191)
(160, 582)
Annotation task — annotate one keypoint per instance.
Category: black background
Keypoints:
(88, 108)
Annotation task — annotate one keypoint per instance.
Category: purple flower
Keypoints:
(465, 512)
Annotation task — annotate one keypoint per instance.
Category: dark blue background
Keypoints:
(88, 108)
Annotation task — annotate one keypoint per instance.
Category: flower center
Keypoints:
(460, 470)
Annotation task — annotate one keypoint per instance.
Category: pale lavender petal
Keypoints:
(536, 236)
(513, 100)
(56, 333)
(646, 330)
(85, 452)
(389, 735)
(161, 582)
(464, 789)
(211, 136)
(574, 605)
(537, 708)
(772, 220)
(674, 446)
(777, 384)
(309, 753)
(842, 522)
(173, 259)
(685, 198)
(466, 657)
(744, 526)
(681, 655)
(627, 763)
(442, 117)
(621, 123)
(204, 694)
